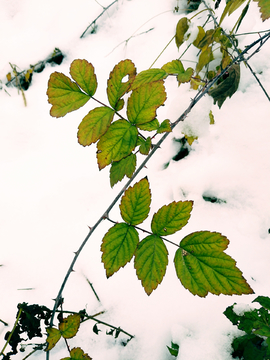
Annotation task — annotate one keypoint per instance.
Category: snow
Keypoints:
(51, 188)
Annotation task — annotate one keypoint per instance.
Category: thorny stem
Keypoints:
(194, 101)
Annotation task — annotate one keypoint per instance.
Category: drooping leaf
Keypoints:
(70, 326)
(200, 36)
(64, 95)
(116, 88)
(77, 354)
(94, 125)
(165, 126)
(207, 39)
(53, 337)
(241, 17)
(205, 58)
(119, 169)
(151, 260)
(135, 203)
(227, 87)
(84, 74)
(231, 6)
(176, 67)
(118, 246)
(148, 76)
(144, 101)
(118, 142)
(264, 9)
(171, 218)
(203, 267)
(149, 126)
(145, 146)
(264, 301)
(181, 30)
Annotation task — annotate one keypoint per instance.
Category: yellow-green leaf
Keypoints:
(77, 354)
(204, 59)
(181, 29)
(53, 337)
(150, 126)
(171, 218)
(145, 146)
(64, 95)
(203, 267)
(135, 203)
(165, 126)
(264, 6)
(69, 326)
(84, 74)
(144, 101)
(151, 260)
(118, 246)
(148, 76)
(207, 39)
(116, 88)
(118, 142)
(176, 67)
(119, 169)
(211, 117)
(231, 6)
(94, 125)
(200, 36)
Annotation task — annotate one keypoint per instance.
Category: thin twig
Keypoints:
(93, 22)
(92, 287)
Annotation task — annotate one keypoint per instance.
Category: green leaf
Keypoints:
(200, 36)
(116, 88)
(64, 95)
(205, 58)
(264, 301)
(174, 349)
(69, 326)
(150, 126)
(165, 126)
(118, 246)
(203, 267)
(53, 337)
(119, 169)
(148, 76)
(264, 6)
(176, 67)
(227, 87)
(151, 260)
(77, 354)
(145, 146)
(231, 6)
(84, 74)
(94, 125)
(144, 101)
(118, 142)
(181, 29)
(135, 203)
(171, 218)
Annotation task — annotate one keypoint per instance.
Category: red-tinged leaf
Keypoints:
(118, 246)
(144, 101)
(264, 6)
(171, 218)
(77, 354)
(84, 74)
(203, 267)
(117, 143)
(181, 31)
(151, 260)
(64, 95)
(176, 67)
(94, 125)
(69, 326)
(165, 126)
(119, 169)
(116, 88)
(148, 76)
(135, 203)
(53, 337)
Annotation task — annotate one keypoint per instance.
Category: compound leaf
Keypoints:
(151, 260)
(118, 142)
(176, 67)
(118, 246)
(145, 146)
(171, 218)
(69, 326)
(94, 125)
(144, 101)
(135, 203)
(64, 95)
(165, 126)
(181, 29)
(148, 76)
(53, 337)
(203, 267)
(264, 6)
(119, 169)
(77, 354)
(84, 75)
(116, 88)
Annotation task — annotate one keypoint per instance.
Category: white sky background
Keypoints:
(51, 188)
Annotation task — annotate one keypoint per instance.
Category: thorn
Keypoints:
(105, 216)
(89, 227)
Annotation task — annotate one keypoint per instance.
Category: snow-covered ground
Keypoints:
(51, 188)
